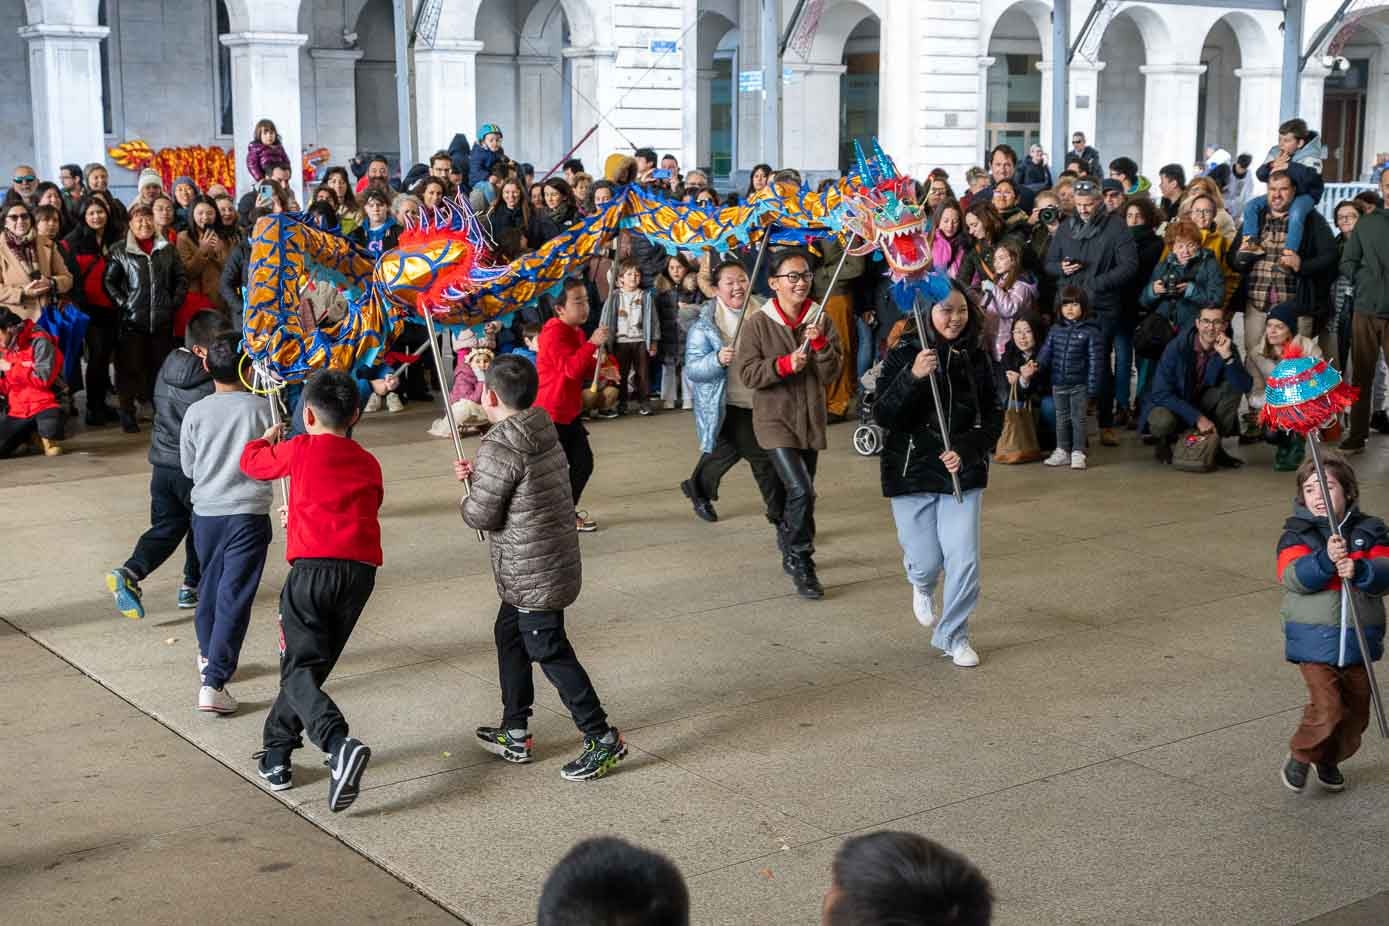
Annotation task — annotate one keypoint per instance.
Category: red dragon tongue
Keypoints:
(905, 247)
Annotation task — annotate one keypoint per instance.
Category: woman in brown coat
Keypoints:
(787, 354)
(32, 272)
(203, 251)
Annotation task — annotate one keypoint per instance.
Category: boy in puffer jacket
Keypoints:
(1299, 152)
(1074, 355)
(1318, 571)
(29, 366)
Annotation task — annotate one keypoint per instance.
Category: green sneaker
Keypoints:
(511, 748)
(598, 758)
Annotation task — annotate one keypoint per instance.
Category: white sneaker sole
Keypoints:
(497, 749)
(343, 790)
(217, 709)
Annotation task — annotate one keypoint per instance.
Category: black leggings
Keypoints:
(573, 437)
(15, 431)
(796, 470)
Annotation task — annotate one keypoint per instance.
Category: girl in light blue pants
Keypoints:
(938, 533)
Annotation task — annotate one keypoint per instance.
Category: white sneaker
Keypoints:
(1058, 457)
(1077, 460)
(216, 700)
(921, 606)
(202, 664)
(393, 403)
(373, 404)
(963, 655)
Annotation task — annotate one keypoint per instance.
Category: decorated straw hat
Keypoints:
(1304, 393)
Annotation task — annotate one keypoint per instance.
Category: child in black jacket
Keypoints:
(1074, 355)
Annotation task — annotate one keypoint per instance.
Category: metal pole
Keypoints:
(752, 278)
(448, 408)
(264, 382)
(768, 43)
(853, 237)
(1289, 100)
(1314, 444)
(935, 396)
(1060, 81)
(404, 112)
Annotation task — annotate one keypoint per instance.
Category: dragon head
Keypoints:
(881, 209)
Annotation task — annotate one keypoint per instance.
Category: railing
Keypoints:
(1335, 193)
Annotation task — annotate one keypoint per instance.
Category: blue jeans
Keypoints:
(938, 533)
(863, 357)
(1297, 218)
(1068, 403)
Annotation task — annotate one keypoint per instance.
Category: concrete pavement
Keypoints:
(1114, 759)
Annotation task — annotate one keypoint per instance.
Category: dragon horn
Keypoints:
(864, 174)
(885, 164)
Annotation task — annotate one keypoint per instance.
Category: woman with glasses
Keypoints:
(32, 273)
(788, 354)
(1203, 212)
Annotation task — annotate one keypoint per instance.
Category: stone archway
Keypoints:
(839, 81)
(716, 97)
(378, 122)
(1015, 83)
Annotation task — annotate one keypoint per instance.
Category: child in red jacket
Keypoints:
(334, 548)
(565, 362)
(29, 365)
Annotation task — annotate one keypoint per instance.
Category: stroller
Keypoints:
(868, 436)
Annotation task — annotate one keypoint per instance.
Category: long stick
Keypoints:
(752, 278)
(602, 321)
(830, 289)
(1314, 444)
(273, 395)
(448, 407)
(940, 406)
(568, 154)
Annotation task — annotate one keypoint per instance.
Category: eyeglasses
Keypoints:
(17, 217)
(1203, 212)
(805, 277)
(1210, 322)
(30, 178)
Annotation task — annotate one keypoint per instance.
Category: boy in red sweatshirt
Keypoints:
(565, 361)
(333, 548)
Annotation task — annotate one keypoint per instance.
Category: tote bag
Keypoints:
(1018, 442)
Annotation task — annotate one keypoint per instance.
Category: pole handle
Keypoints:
(448, 407)
(940, 406)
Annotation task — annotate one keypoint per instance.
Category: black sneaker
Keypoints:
(1162, 451)
(597, 759)
(644, 409)
(498, 742)
(1380, 421)
(607, 413)
(128, 423)
(278, 775)
(1225, 461)
(807, 583)
(1295, 774)
(703, 508)
(345, 767)
(1329, 777)
(187, 597)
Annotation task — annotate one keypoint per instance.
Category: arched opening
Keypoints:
(523, 81)
(378, 125)
(1355, 105)
(858, 88)
(716, 99)
(1013, 112)
(1217, 114)
(1119, 98)
(225, 112)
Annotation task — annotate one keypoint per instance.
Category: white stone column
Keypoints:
(1311, 95)
(591, 76)
(445, 93)
(704, 105)
(981, 130)
(899, 107)
(1082, 110)
(1044, 69)
(950, 101)
(809, 139)
(65, 87)
(1169, 115)
(265, 85)
(1259, 92)
(335, 93)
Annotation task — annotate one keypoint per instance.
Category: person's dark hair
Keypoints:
(602, 185)
(333, 396)
(1008, 183)
(574, 165)
(1297, 128)
(1147, 208)
(787, 175)
(1125, 167)
(376, 194)
(949, 202)
(204, 327)
(1173, 172)
(626, 266)
(606, 881)
(777, 259)
(224, 358)
(1336, 467)
(764, 168)
(278, 164)
(1282, 175)
(1244, 160)
(76, 171)
(1371, 199)
(82, 240)
(379, 159)
(323, 215)
(725, 266)
(572, 283)
(348, 199)
(984, 211)
(326, 194)
(47, 212)
(514, 380)
(648, 154)
(440, 156)
(1005, 150)
(684, 260)
(903, 879)
(530, 330)
(428, 182)
(1074, 294)
(566, 192)
(1033, 321)
(9, 320)
(140, 209)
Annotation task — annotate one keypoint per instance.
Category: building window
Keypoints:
(107, 120)
(224, 72)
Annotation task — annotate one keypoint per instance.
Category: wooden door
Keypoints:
(1343, 132)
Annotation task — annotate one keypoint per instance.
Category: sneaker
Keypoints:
(345, 767)
(1330, 777)
(921, 606)
(393, 403)
(126, 588)
(513, 746)
(1108, 438)
(643, 409)
(128, 423)
(806, 581)
(202, 664)
(278, 776)
(703, 508)
(1224, 460)
(598, 757)
(1162, 450)
(373, 404)
(1294, 774)
(1350, 448)
(187, 597)
(607, 413)
(216, 700)
(963, 655)
(1380, 421)
(584, 523)
(1077, 459)
(1058, 457)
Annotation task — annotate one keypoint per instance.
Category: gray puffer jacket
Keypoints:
(521, 497)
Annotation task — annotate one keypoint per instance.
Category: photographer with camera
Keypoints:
(1042, 223)
(1187, 280)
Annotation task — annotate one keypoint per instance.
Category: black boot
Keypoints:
(807, 583)
(703, 508)
(1225, 461)
(1162, 450)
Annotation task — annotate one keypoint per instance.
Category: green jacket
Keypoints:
(1365, 262)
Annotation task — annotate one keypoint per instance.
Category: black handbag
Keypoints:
(1151, 336)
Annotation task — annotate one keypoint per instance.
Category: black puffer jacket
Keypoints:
(182, 380)
(146, 289)
(1105, 248)
(1073, 354)
(521, 496)
(912, 448)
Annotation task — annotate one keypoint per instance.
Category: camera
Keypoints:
(660, 175)
(1048, 214)
(1170, 281)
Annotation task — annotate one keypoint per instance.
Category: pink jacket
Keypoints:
(1004, 305)
(466, 383)
(945, 258)
(260, 156)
